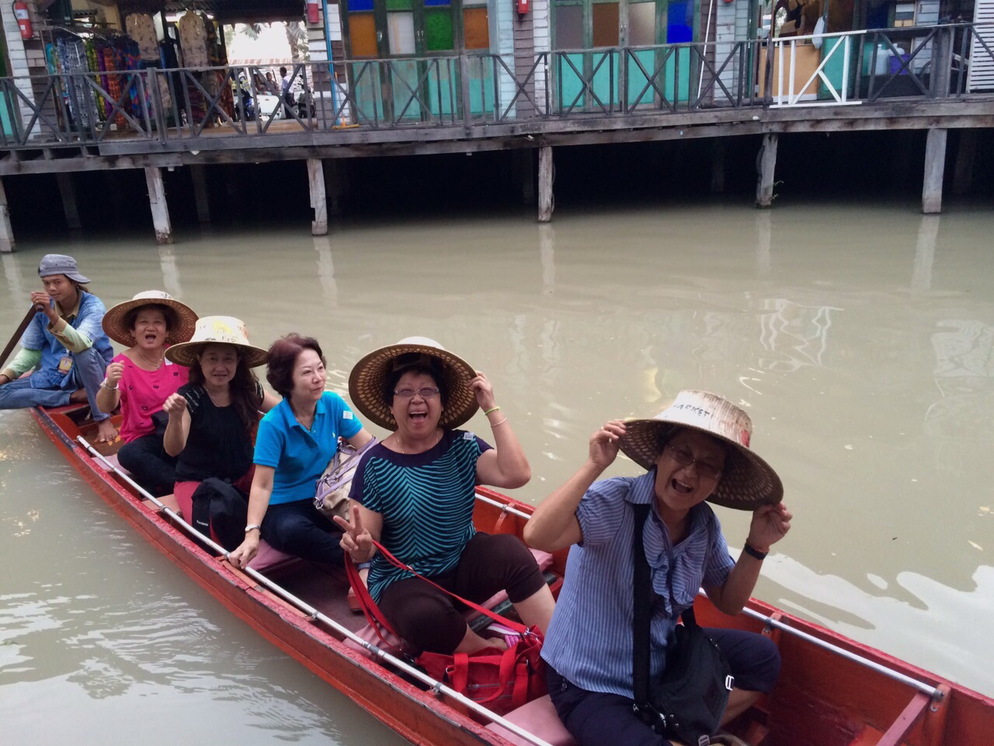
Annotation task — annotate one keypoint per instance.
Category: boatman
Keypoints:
(64, 345)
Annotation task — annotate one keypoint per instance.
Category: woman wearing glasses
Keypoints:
(296, 439)
(695, 450)
(416, 491)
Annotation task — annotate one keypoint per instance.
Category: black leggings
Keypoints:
(149, 464)
(431, 620)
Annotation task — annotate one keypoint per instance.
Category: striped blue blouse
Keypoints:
(426, 500)
(590, 637)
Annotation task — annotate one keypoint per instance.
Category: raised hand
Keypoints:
(770, 523)
(603, 449)
(356, 539)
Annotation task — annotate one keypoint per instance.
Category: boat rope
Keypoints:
(435, 686)
(934, 692)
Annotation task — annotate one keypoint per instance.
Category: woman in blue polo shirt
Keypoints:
(296, 439)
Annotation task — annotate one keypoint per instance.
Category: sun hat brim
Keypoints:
(368, 375)
(746, 483)
(184, 316)
(186, 353)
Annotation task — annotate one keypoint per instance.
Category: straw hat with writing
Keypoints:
(369, 375)
(746, 482)
(217, 330)
(119, 320)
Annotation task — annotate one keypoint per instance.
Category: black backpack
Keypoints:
(220, 511)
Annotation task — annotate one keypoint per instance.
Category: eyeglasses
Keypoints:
(682, 457)
(428, 392)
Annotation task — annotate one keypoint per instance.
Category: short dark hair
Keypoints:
(283, 354)
(169, 313)
(414, 362)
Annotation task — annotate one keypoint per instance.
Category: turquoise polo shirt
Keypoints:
(299, 455)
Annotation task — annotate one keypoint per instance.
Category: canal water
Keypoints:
(859, 338)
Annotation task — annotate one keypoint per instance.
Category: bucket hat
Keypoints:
(213, 330)
(61, 264)
(369, 375)
(747, 481)
(181, 323)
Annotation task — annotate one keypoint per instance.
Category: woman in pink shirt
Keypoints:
(140, 379)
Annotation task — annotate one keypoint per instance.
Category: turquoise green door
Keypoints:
(590, 67)
(417, 43)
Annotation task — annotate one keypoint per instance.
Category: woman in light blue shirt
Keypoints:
(696, 450)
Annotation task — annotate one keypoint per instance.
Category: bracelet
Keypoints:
(364, 565)
(105, 385)
(500, 422)
(252, 527)
(492, 409)
(753, 552)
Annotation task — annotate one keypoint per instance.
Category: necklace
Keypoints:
(400, 447)
(300, 419)
(155, 365)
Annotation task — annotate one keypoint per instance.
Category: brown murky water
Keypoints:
(859, 338)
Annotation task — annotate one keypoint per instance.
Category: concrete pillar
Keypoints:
(766, 164)
(6, 231)
(966, 154)
(935, 167)
(157, 201)
(718, 165)
(199, 176)
(68, 191)
(319, 201)
(546, 176)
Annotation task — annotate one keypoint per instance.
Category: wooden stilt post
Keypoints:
(935, 167)
(68, 192)
(766, 166)
(157, 201)
(546, 176)
(966, 154)
(199, 176)
(718, 165)
(6, 231)
(319, 201)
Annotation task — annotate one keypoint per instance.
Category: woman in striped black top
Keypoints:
(416, 490)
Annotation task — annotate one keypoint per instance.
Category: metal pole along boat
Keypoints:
(832, 691)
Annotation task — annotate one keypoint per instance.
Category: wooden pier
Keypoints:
(371, 109)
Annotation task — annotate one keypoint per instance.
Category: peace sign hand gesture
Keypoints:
(356, 539)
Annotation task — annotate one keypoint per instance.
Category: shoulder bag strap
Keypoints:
(519, 628)
(640, 623)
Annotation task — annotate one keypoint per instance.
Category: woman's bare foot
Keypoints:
(106, 432)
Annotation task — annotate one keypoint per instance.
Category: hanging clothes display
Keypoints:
(141, 28)
(193, 40)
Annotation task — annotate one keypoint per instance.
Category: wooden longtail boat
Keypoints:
(832, 691)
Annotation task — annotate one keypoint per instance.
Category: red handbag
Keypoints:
(501, 680)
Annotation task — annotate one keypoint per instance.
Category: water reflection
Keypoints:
(860, 340)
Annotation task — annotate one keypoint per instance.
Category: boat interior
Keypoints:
(813, 703)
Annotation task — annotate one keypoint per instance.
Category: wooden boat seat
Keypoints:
(539, 718)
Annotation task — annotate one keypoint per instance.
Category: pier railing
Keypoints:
(470, 90)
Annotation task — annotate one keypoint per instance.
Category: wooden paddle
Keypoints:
(17, 335)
